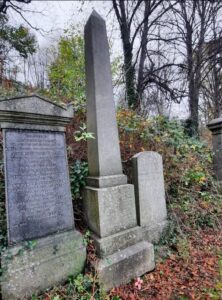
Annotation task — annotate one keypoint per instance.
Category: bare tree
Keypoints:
(139, 23)
(192, 22)
(211, 86)
(36, 66)
(125, 22)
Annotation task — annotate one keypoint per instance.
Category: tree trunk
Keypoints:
(144, 41)
(193, 106)
(129, 76)
(193, 91)
(129, 68)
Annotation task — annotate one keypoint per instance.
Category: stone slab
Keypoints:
(149, 188)
(215, 125)
(37, 184)
(116, 242)
(52, 260)
(125, 265)
(217, 155)
(110, 210)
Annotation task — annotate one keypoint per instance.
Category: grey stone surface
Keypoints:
(109, 203)
(110, 210)
(103, 151)
(217, 155)
(154, 233)
(124, 265)
(216, 128)
(149, 188)
(218, 186)
(34, 110)
(5, 125)
(37, 184)
(38, 198)
(215, 124)
(106, 181)
(118, 241)
(52, 260)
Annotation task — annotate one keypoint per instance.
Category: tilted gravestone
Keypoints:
(150, 194)
(109, 201)
(38, 198)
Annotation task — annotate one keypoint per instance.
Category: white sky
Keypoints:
(52, 17)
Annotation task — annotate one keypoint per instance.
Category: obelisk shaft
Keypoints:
(103, 152)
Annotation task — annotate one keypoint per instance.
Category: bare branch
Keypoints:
(5, 4)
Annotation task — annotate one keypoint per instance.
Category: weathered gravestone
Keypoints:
(150, 194)
(215, 127)
(38, 198)
(108, 200)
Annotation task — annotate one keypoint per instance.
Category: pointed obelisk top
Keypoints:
(103, 151)
(95, 14)
(94, 17)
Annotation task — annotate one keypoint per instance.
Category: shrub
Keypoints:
(190, 187)
(78, 174)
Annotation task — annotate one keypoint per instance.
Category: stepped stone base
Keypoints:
(50, 262)
(124, 265)
(111, 215)
(116, 242)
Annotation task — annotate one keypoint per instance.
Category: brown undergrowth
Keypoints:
(191, 272)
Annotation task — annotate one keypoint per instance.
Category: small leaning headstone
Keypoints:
(150, 194)
(44, 248)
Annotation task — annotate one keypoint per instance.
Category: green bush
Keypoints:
(78, 174)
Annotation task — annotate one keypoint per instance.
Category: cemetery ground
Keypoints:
(189, 257)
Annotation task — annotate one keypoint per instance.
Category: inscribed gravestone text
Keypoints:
(38, 191)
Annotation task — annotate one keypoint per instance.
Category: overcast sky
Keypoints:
(52, 17)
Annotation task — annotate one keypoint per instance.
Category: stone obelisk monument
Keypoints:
(109, 202)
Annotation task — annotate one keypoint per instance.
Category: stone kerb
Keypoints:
(150, 194)
(38, 197)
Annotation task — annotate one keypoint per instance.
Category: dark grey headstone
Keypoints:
(38, 188)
